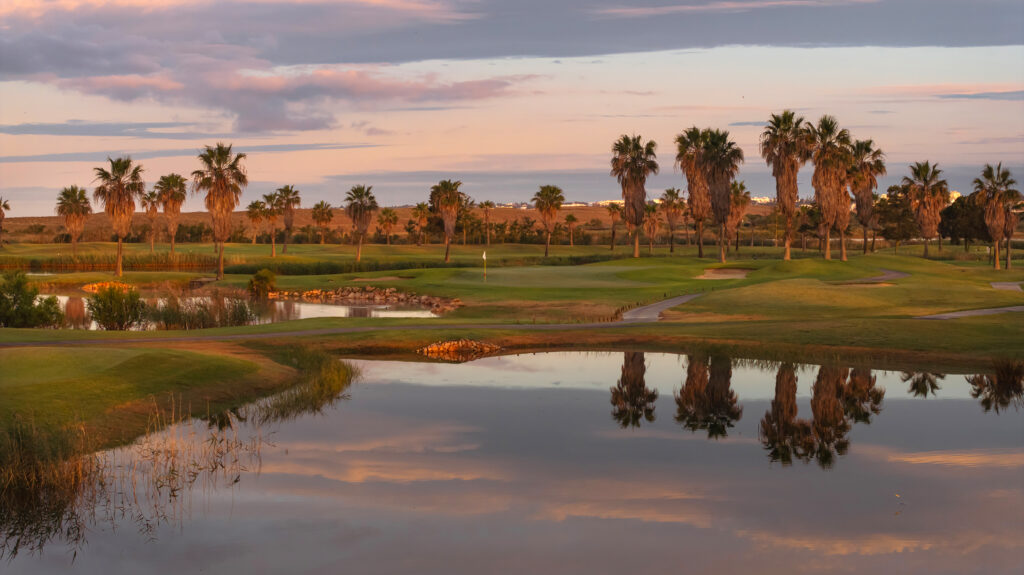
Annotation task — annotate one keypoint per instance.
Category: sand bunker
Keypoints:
(380, 279)
(724, 274)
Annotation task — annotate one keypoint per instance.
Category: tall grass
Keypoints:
(163, 261)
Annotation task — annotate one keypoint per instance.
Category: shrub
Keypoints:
(202, 312)
(116, 309)
(20, 305)
(262, 283)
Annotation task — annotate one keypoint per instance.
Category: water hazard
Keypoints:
(574, 463)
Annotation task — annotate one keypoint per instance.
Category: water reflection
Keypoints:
(1001, 389)
(632, 400)
(706, 401)
(510, 464)
(922, 383)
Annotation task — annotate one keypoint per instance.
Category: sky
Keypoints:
(505, 95)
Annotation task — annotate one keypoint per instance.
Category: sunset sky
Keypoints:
(505, 95)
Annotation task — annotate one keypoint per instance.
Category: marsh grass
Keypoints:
(54, 486)
(163, 261)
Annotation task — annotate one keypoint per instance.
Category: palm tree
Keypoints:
(862, 397)
(5, 206)
(73, 205)
(830, 151)
(118, 187)
(171, 189)
(548, 200)
(672, 206)
(785, 147)
(867, 164)
(995, 191)
(360, 204)
(830, 424)
(721, 159)
(1001, 389)
(255, 211)
(928, 194)
(421, 215)
(150, 204)
(652, 219)
(222, 177)
(1012, 202)
(570, 222)
(322, 215)
(689, 148)
(448, 201)
(614, 214)
(272, 211)
(632, 161)
(739, 202)
(486, 208)
(289, 199)
(387, 219)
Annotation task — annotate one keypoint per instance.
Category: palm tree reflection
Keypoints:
(707, 400)
(1001, 389)
(862, 397)
(922, 383)
(632, 400)
(783, 435)
(830, 424)
(75, 315)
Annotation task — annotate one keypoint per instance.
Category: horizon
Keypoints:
(327, 94)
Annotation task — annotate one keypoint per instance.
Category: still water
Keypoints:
(584, 463)
(77, 316)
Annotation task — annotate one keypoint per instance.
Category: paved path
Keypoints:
(887, 275)
(640, 315)
(973, 312)
(651, 313)
(1008, 286)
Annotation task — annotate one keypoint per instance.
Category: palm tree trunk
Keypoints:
(572, 239)
(273, 243)
(220, 262)
(650, 245)
(736, 245)
(700, 239)
(447, 247)
(636, 242)
(612, 248)
(926, 247)
(321, 236)
(547, 243)
(865, 240)
(119, 252)
(359, 248)
(463, 235)
(487, 226)
(842, 245)
(789, 235)
(671, 240)
(284, 248)
(828, 244)
(721, 243)
(874, 235)
(172, 244)
(995, 251)
(388, 239)
(1008, 251)
(940, 243)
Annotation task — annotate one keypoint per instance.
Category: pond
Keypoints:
(76, 312)
(582, 463)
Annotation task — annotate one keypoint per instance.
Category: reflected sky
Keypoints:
(519, 464)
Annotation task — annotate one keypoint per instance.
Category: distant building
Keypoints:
(603, 203)
(762, 200)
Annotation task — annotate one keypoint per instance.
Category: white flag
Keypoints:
(485, 256)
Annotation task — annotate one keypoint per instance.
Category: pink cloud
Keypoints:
(721, 6)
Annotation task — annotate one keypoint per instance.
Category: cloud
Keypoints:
(146, 130)
(1013, 95)
(720, 6)
(750, 123)
(149, 154)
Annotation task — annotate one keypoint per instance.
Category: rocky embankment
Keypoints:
(371, 295)
(459, 350)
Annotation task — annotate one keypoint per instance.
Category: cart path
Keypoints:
(637, 316)
(973, 312)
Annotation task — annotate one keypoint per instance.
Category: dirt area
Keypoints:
(724, 274)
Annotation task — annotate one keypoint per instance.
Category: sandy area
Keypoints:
(724, 274)
(380, 279)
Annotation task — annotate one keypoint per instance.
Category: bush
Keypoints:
(20, 305)
(116, 309)
(201, 313)
(262, 283)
